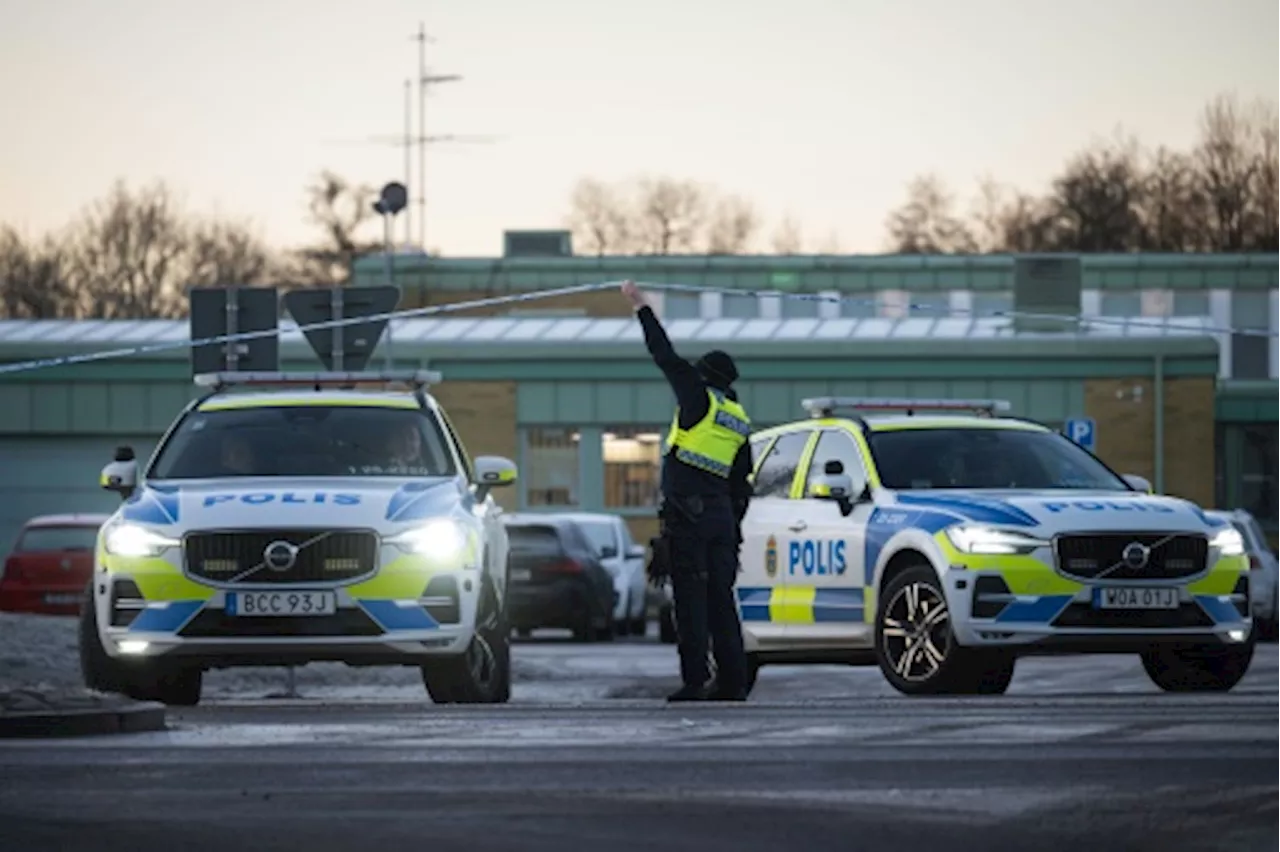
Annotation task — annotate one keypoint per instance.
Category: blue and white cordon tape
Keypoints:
(453, 307)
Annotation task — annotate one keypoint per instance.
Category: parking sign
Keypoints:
(1083, 431)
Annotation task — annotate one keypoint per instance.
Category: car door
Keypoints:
(634, 566)
(762, 585)
(825, 563)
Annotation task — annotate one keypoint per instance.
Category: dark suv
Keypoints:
(556, 579)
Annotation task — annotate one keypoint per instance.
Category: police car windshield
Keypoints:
(986, 458)
(310, 440)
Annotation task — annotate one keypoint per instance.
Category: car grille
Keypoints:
(323, 556)
(1101, 556)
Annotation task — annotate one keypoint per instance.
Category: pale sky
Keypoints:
(821, 109)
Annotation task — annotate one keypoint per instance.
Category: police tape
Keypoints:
(940, 312)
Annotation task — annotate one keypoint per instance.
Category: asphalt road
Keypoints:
(1082, 753)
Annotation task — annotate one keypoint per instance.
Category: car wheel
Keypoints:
(99, 670)
(1199, 668)
(481, 674)
(916, 647)
(666, 625)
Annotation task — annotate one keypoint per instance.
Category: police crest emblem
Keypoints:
(771, 556)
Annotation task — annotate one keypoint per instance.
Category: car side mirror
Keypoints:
(493, 472)
(121, 476)
(636, 551)
(834, 484)
(1139, 483)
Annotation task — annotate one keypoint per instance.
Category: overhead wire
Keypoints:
(1191, 326)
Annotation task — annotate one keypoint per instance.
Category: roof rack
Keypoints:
(826, 406)
(417, 379)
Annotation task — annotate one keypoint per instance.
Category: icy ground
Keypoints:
(40, 652)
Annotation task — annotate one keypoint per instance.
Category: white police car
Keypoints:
(286, 526)
(944, 547)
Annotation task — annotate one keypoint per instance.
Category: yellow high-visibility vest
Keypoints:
(712, 443)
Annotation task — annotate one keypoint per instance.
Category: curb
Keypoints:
(78, 723)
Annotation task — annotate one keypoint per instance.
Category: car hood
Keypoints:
(1065, 510)
(261, 503)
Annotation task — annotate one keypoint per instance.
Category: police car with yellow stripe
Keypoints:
(944, 547)
(336, 518)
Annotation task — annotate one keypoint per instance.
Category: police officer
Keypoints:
(705, 493)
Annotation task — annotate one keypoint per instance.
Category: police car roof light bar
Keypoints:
(418, 379)
(826, 406)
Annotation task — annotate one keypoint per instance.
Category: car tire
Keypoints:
(482, 673)
(1216, 668)
(99, 671)
(917, 650)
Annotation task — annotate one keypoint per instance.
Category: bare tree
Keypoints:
(1172, 209)
(226, 254)
(1227, 171)
(600, 219)
(926, 223)
(1266, 193)
(732, 226)
(1098, 199)
(33, 282)
(670, 215)
(787, 239)
(341, 209)
(831, 244)
(127, 253)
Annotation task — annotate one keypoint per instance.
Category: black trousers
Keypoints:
(704, 553)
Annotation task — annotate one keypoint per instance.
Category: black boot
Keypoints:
(689, 693)
(722, 693)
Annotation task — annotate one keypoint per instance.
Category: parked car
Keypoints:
(1262, 577)
(557, 578)
(624, 560)
(50, 564)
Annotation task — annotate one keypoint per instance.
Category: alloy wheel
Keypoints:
(916, 633)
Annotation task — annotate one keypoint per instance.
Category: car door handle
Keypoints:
(798, 526)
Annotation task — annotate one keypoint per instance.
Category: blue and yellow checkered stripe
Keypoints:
(802, 605)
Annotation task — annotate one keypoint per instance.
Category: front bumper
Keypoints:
(409, 611)
(987, 610)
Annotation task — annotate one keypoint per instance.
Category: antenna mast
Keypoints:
(424, 80)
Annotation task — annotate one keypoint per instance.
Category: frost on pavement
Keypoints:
(41, 652)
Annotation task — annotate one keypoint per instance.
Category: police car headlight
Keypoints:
(133, 540)
(987, 540)
(439, 539)
(1229, 542)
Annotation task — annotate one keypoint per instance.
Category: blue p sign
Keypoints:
(1083, 431)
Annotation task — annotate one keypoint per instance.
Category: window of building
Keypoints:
(632, 464)
(927, 305)
(1258, 472)
(1191, 303)
(800, 308)
(678, 305)
(776, 472)
(986, 304)
(837, 446)
(551, 466)
(858, 305)
(739, 306)
(1120, 304)
(1250, 353)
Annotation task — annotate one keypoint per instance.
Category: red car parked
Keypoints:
(50, 564)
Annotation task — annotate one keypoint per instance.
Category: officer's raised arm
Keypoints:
(689, 388)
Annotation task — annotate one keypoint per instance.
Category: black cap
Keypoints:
(718, 368)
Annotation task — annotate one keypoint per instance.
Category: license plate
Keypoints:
(54, 599)
(521, 575)
(1122, 598)
(281, 603)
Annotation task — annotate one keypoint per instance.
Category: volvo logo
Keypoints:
(1135, 555)
(280, 555)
